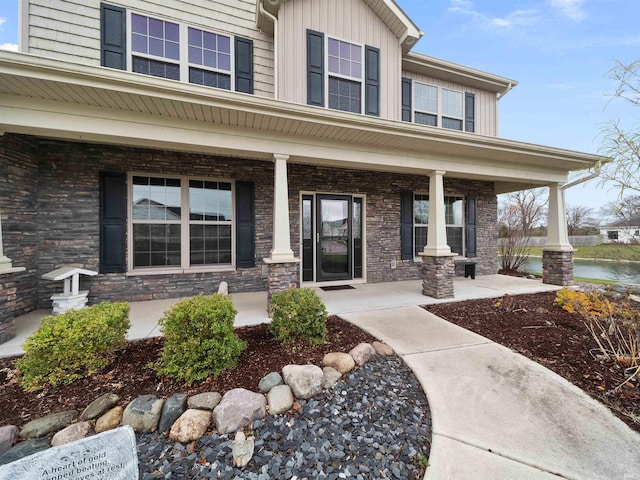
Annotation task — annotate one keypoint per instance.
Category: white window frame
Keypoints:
(328, 74)
(440, 103)
(185, 222)
(183, 62)
(456, 225)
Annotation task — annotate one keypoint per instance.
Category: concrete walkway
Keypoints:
(499, 415)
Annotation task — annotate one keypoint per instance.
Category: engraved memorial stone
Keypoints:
(111, 455)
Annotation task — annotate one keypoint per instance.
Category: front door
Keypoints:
(333, 237)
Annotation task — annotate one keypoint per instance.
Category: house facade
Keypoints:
(268, 143)
(620, 234)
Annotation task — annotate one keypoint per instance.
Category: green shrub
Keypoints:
(73, 345)
(199, 338)
(298, 314)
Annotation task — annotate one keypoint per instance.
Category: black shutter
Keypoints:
(372, 81)
(406, 99)
(113, 222)
(471, 227)
(469, 112)
(113, 36)
(245, 225)
(315, 68)
(406, 225)
(244, 65)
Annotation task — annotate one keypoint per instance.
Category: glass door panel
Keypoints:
(333, 237)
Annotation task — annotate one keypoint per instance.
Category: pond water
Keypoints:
(618, 271)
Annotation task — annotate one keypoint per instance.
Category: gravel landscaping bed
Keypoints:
(374, 424)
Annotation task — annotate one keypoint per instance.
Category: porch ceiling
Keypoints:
(48, 97)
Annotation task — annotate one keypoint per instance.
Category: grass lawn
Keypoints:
(609, 251)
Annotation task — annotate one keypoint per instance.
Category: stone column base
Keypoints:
(62, 303)
(281, 276)
(437, 276)
(557, 267)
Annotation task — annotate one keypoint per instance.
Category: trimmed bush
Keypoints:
(73, 345)
(199, 338)
(298, 314)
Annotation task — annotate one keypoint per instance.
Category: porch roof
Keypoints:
(53, 98)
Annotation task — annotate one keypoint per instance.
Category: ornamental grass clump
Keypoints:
(73, 345)
(298, 314)
(199, 338)
(614, 327)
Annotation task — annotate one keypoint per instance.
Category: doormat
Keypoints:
(337, 287)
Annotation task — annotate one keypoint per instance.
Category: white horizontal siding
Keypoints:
(70, 29)
(350, 20)
(486, 121)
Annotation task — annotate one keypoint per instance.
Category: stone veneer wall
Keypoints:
(382, 205)
(18, 199)
(67, 204)
(68, 222)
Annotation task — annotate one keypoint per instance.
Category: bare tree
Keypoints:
(619, 143)
(580, 219)
(623, 212)
(518, 215)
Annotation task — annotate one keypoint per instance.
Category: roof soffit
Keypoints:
(53, 81)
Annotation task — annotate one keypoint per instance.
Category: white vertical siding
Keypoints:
(486, 102)
(70, 29)
(350, 20)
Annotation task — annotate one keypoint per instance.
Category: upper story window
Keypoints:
(344, 73)
(155, 47)
(209, 58)
(437, 106)
(174, 50)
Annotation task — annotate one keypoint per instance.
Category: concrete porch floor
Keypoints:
(252, 307)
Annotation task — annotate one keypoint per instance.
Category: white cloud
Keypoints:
(573, 9)
(2, 20)
(512, 19)
(9, 46)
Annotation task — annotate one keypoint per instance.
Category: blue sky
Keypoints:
(560, 52)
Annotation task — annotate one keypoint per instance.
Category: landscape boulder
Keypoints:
(191, 425)
(238, 408)
(48, 424)
(110, 420)
(330, 377)
(382, 348)
(99, 406)
(24, 449)
(204, 401)
(143, 413)
(342, 362)
(305, 380)
(8, 436)
(269, 381)
(279, 399)
(71, 433)
(362, 353)
(173, 407)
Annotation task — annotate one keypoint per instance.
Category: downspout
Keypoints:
(506, 90)
(586, 178)
(275, 48)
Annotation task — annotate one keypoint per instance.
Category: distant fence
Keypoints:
(576, 241)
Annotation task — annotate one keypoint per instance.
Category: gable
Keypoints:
(387, 11)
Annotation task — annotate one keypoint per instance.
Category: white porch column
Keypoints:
(281, 251)
(557, 232)
(557, 253)
(437, 235)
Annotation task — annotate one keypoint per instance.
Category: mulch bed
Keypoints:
(129, 377)
(533, 326)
